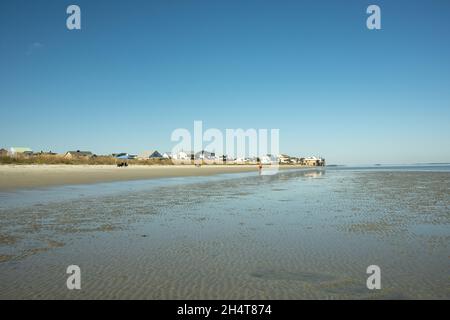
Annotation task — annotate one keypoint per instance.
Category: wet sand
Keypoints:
(31, 176)
(300, 234)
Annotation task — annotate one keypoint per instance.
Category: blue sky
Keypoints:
(140, 69)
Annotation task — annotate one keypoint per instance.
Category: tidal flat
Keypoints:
(299, 234)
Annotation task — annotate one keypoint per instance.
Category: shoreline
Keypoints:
(14, 177)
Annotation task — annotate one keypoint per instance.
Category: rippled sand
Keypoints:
(296, 235)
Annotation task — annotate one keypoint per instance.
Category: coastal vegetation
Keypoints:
(60, 159)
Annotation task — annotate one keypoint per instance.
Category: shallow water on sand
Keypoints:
(298, 234)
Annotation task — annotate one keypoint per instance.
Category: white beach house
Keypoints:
(314, 161)
(181, 155)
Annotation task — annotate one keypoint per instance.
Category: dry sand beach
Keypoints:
(30, 176)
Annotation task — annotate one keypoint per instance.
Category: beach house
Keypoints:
(78, 154)
(167, 155)
(15, 151)
(3, 152)
(205, 155)
(226, 159)
(285, 159)
(152, 154)
(181, 155)
(314, 161)
(124, 155)
(268, 159)
(46, 153)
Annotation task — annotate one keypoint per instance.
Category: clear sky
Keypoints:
(137, 70)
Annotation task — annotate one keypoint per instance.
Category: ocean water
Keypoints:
(299, 234)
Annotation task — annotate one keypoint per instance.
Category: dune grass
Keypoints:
(46, 159)
(59, 159)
